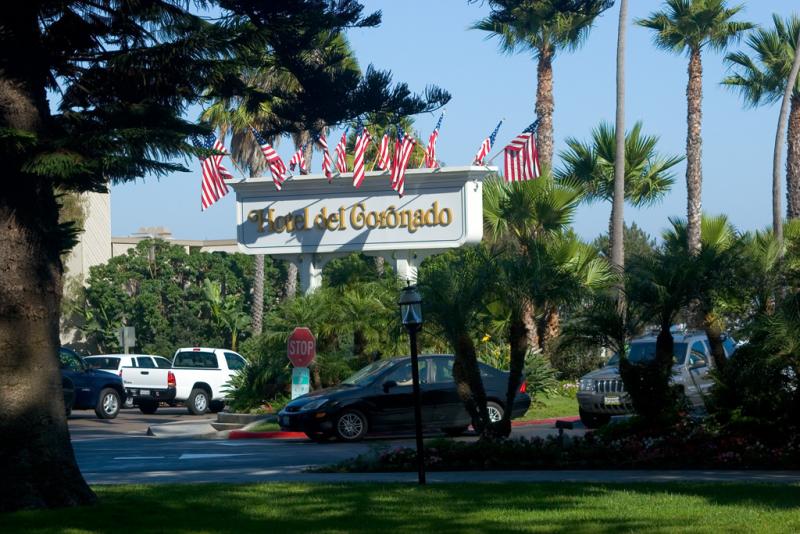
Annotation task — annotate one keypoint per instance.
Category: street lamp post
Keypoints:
(411, 314)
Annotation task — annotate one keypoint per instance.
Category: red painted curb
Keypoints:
(551, 421)
(276, 434)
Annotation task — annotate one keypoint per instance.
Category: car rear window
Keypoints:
(106, 363)
(196, 359)
(162, 363)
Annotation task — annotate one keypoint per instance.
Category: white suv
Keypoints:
(602, 394)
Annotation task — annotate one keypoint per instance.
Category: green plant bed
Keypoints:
(630, 445)
(551, 407)
(263, 426)
(360, 507)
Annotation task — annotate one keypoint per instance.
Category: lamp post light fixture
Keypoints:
(411, 314)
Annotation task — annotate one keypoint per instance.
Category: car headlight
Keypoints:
(587, 384)
(315, 404)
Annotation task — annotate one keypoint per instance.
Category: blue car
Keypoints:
(89, 389)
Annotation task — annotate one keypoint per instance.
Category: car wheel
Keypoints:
(594, 420)
(148, 407)
(216, 406)
(318, 437)
(495, 411)
(351, 426)
(454, 431)
(108, 404)
(198, 402)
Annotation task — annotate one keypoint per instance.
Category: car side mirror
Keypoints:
(389, 384)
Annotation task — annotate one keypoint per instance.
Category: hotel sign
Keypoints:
(441, 209)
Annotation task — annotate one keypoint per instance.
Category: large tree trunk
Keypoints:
(617, 235)
(694, 151)
(544, 106)
(529, 318)
(257, 310)
(36, 456)
(793, 161)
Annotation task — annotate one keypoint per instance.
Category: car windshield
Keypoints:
(646, 352)
(368, 373)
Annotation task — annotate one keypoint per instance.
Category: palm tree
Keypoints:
(691, 26)
(617, 232)
(590, 166)
(761, 79)
(713, 269)
(543, 28)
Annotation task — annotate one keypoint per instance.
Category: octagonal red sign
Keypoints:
(301, 347)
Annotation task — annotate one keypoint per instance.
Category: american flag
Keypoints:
(403, 148)
(341, 149)
(486, 146)
(299, 158)
(522, 158)
(430, 151)
(276, 165)
(362, 141)
(213, 186)
(327, 164)
(384, 156)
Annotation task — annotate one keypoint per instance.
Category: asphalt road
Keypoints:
(120, 452)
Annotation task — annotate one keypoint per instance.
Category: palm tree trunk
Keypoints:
(694, 151)
(529, 318)
(380, 265)
(469, 385)
(713, 330)
(518, 349)
(291, 280)
(793, 161)
(777, 213)
(618, 203)
(544, 106)
(257, 308)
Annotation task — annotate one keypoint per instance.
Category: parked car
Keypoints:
(601, 393)
(89, 388)
(378, 398)
(138, 365)
(198, 377)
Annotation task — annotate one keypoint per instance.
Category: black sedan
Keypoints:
(378, 398)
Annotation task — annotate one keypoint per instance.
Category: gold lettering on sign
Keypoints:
(358, 217)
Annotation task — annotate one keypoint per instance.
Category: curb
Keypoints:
(276, 434)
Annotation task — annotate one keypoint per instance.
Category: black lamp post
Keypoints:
(411, 314)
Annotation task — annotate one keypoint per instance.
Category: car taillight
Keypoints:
(523, 387)
(170, 379)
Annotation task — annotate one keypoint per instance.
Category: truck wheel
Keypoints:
(148, 407)
(216, 406)
(108, 404)
(197, 404)
(128, 402)
(594, 420)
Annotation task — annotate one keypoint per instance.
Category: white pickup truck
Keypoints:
(199, 377)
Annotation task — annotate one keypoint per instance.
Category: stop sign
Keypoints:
(301, 347)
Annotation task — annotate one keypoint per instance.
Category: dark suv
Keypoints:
(87, 389)
(378, 398)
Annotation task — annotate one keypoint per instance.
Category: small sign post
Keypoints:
(301, 348)
(126, 336)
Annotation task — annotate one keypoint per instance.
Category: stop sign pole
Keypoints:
(301, 349)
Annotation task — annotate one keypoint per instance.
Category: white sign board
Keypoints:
(300, 381)
(441, 209)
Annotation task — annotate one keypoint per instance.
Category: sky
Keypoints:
(429, 42)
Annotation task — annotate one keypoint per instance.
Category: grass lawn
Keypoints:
(362, 507)
(264, 426)
(551, 407)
